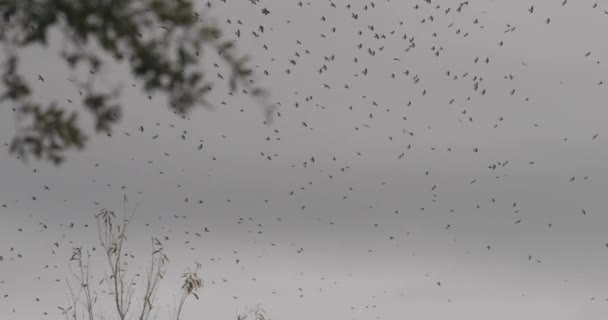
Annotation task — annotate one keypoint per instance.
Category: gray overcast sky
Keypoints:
(487, 198)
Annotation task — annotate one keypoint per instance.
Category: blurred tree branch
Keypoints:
(161, 40)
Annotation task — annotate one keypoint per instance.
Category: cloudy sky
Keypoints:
(425, 161)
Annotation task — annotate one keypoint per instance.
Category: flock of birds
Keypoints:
(402, 133)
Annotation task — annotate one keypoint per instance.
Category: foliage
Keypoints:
(162, 41)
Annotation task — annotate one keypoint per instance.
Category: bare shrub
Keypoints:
(84, 295)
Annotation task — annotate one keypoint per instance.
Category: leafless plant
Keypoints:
(192, 282)
(257, 313)
(112, 238)
(83, 298)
